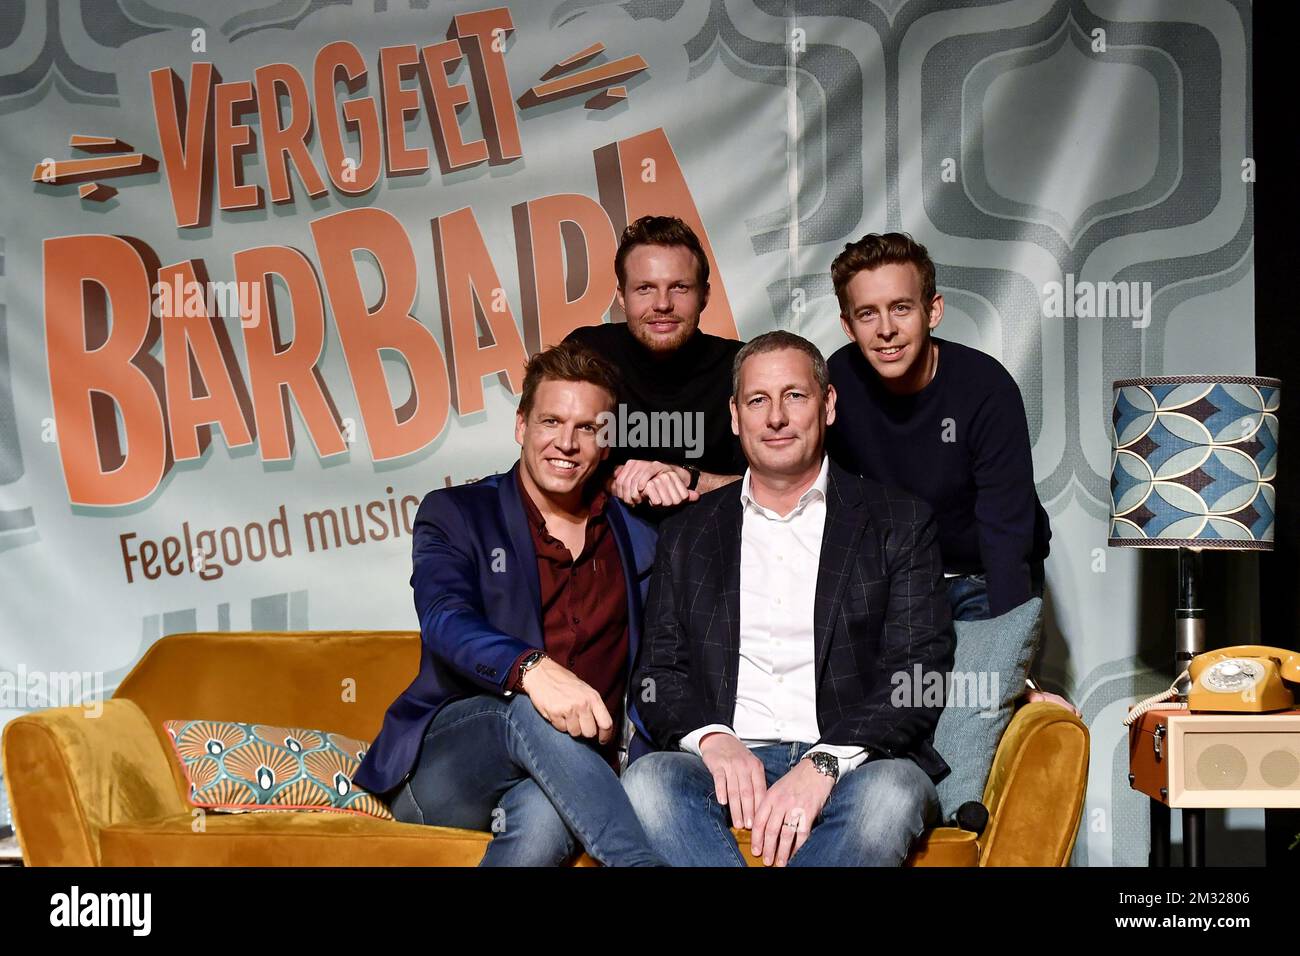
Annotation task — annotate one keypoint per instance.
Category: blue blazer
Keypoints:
(479, 603)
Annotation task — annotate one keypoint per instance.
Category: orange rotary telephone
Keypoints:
(1242, 679)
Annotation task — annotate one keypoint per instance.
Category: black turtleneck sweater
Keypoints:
(695, 378)
(961, 444)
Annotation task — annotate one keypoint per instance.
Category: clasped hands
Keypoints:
(660, 484)
(780, 817)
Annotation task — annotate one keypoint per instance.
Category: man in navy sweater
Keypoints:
(940, 420)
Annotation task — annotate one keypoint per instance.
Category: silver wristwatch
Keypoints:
(527, 664)
(824, 763)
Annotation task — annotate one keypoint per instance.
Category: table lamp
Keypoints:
(1194, 461)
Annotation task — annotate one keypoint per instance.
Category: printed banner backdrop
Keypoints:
(412, 196)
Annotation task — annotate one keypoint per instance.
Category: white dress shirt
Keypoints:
(776, 686)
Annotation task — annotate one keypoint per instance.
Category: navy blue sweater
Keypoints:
(962, 445)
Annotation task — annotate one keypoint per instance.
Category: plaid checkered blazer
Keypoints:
(881, 609)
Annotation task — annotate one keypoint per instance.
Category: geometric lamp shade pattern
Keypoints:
(1195, 458)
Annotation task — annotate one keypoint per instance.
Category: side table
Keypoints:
(1192, 761)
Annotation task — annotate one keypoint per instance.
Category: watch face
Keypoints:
(826, 763)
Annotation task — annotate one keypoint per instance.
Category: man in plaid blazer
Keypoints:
(792, 621)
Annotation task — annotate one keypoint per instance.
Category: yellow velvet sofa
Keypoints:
(107, 790)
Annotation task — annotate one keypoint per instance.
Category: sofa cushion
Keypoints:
(944, 846)
(313, 839)
(989, 670)
(287, 839)
(238, 767)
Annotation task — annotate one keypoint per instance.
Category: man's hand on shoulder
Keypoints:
(567, 702)
(738, 776)
(785, 817)
(660, 484)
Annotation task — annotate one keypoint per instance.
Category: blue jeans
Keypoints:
(493, 763)
(968, 594)
(873, 814)
(968, 597)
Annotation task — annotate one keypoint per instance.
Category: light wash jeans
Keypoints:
(873, 814)
(493, 763)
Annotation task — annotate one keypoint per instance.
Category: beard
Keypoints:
(663, 344)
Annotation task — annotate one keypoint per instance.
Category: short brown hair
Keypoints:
(659, 231)
(775, 342)
(567, 362)
(876, 249)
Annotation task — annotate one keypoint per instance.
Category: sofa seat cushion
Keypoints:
(319, 839)
(944, 846)
(288, 839)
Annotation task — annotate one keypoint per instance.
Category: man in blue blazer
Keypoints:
(529, 587)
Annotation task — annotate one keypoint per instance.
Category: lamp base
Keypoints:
(1189, 617)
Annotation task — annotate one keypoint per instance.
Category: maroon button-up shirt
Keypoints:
(584, 609)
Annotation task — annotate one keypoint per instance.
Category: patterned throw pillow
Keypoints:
(256, 767)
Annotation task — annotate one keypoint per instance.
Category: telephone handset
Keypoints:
(1246, 678)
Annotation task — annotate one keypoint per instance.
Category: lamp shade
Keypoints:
(1194, 461)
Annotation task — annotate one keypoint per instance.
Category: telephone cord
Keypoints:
(1155, 700)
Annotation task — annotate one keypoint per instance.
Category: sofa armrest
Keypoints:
(70, 774)
(1036, 788)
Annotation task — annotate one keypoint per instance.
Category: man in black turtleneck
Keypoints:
(671, 437)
